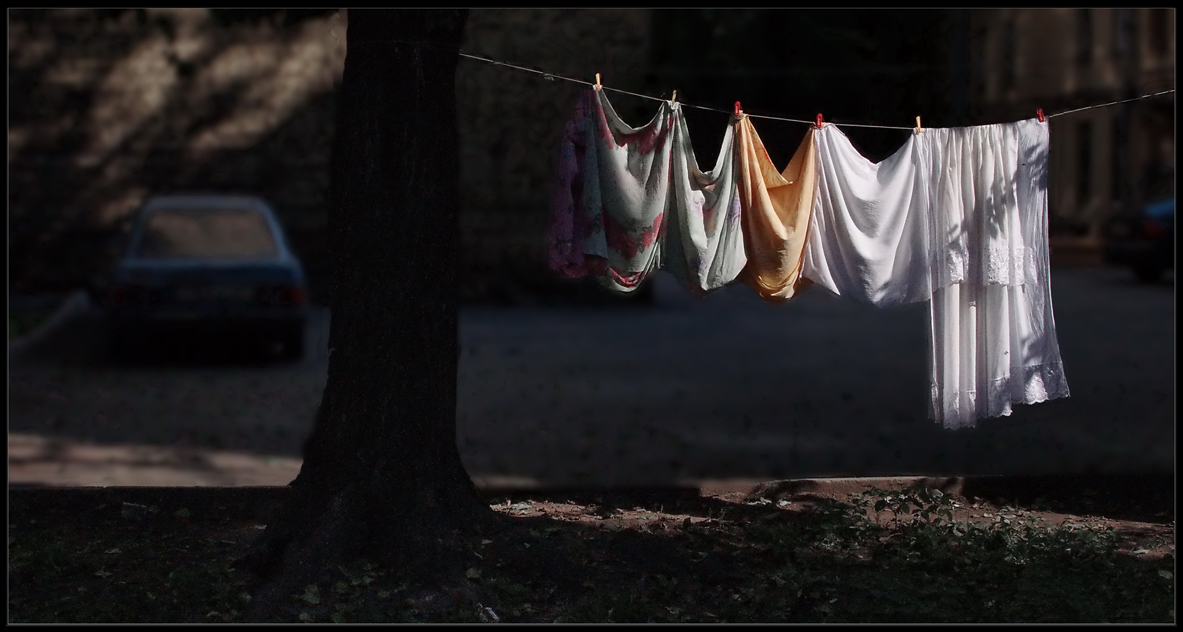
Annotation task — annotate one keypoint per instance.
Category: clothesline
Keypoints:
(956, 217)
(549, 76)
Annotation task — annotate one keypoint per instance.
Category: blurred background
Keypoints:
(110, 107)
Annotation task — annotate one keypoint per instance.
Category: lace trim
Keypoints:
(1025, 385)
(1003, 265)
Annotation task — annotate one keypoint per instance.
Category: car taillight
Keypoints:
(1153, 230)
(292, 296)
(124, 295)
(283, 295)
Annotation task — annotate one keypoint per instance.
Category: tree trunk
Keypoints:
(382, 475)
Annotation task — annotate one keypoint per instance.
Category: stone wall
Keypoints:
(107, 107)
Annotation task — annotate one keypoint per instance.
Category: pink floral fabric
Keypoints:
(620, 189)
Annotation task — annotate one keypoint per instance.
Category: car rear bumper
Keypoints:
(1129, 252)
(179, 321)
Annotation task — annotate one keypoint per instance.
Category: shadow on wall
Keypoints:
(109, 106)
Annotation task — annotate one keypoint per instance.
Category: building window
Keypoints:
(1084, 164)
(1084, 37)
(1116, 154)
(1160, 33)
(1125, 30)
(1008, 56)
(1115, 48)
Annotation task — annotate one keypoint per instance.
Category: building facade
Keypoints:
(1104, 160)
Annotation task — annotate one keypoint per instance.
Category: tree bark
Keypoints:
(382, 474)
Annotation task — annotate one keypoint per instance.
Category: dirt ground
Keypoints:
(733, 552)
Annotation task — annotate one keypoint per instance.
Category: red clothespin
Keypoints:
(820, 122)
(1040, 113)
(738, 110)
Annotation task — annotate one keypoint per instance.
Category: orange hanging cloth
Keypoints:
(776, 209)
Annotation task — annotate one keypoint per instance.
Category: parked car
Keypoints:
(1144, 241)
(208, 263)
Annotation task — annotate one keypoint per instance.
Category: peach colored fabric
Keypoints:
(776, 208)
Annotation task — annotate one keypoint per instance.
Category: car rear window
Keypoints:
(201, 232)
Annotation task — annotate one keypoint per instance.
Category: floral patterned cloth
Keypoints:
(630, 201)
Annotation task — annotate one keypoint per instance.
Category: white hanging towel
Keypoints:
(957, 216)
(868, 237)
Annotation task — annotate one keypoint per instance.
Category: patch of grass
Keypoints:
(157, 571)
(22, 323)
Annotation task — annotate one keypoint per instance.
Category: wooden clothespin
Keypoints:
(738, 110)
(674, 98)
(597, 81)
(1040, 113)
(820, 122)
(918, 128)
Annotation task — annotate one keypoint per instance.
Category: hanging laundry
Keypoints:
(776, 210)
(618, 188)
(704, 242)
(994, 333)
(957, 217)
(868, 235)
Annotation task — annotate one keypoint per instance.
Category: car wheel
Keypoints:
(1148, 272)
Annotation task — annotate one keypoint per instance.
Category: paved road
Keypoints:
(691, 389)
